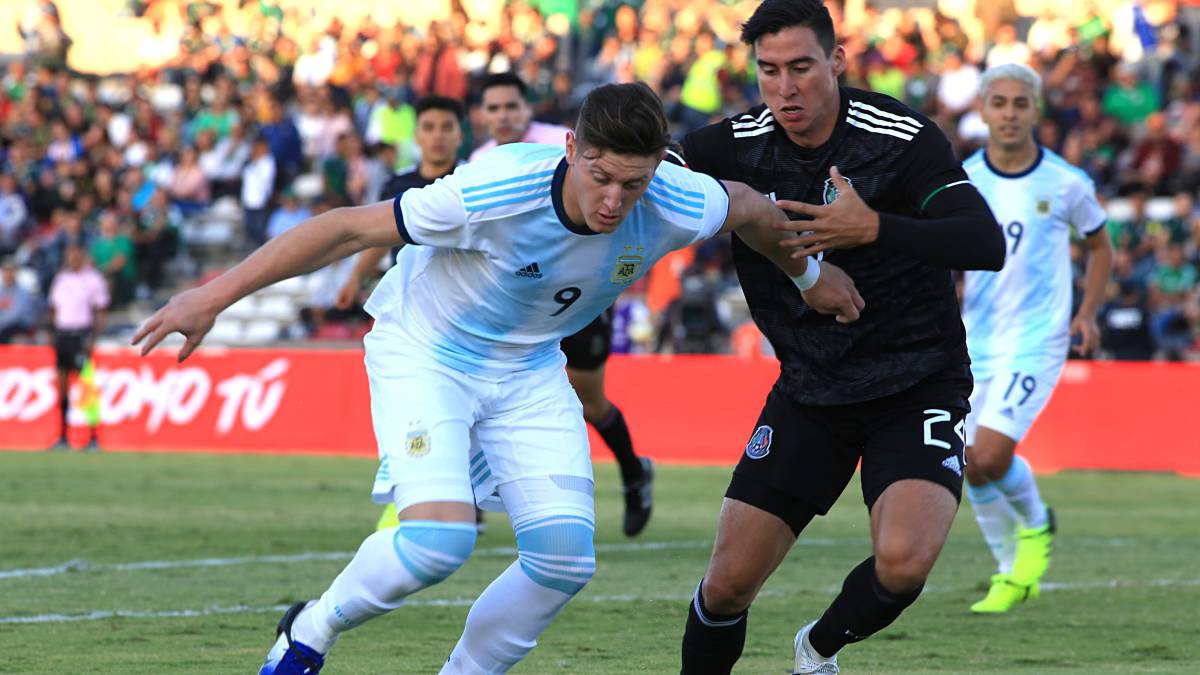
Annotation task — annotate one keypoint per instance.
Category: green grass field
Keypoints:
(128, 563)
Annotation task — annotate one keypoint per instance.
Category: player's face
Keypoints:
(506, 114)
(798, 82)
(1010, 111)
(606, 185)
(439, 135)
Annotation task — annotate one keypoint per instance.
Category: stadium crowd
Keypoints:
(259, 106)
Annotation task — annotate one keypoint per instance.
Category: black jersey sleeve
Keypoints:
(710, 150)
(955, 228)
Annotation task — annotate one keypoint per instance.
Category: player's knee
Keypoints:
(432, 550)
(902, 568)
(728, 593)
(557, 552)
(984, 465)
(595, 409)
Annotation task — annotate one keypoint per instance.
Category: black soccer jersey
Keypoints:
(896, 159)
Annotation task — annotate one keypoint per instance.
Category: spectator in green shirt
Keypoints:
(1172, 284)
(113, 254)
(1128, 100)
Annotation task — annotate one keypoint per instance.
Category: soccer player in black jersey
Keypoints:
(875, 189)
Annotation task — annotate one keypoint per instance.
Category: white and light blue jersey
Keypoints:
(1024, 309)
(508, 275)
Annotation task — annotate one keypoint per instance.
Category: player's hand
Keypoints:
(835, 293)
(347, 294)
(846, 223)
(190, 313)
(1089, 332)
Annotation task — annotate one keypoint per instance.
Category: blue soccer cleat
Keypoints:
(288, 657)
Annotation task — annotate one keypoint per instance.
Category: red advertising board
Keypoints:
(684, 409)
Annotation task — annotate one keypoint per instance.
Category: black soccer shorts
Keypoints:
(800, 458)
(71, 349)
(589, 348)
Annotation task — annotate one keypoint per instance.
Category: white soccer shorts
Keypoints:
(445, 435)
(1012, 395)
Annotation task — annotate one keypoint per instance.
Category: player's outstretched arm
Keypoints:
(826, 288)
(316, 242)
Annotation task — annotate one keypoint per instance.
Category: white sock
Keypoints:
(1020, 490)
(504, 623)
(389, 566)
(998, 522)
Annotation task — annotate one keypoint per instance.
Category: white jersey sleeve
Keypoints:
(434, 215)
(1085, 213)
(692, 201)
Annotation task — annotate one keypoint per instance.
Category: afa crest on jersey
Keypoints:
(760, 443)
(1043, 207)
(830, 193)
(627, 267)
(417, 443)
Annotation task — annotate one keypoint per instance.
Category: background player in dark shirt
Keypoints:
(897, 213)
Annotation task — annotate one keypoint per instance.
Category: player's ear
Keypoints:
(837, 59)
(570, 147)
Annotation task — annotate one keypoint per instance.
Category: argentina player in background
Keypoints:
(1019, 323)
(469, 398)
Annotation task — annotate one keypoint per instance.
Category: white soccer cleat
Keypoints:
(808, 661)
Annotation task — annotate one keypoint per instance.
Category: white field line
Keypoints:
(82, 565)
(618, 598)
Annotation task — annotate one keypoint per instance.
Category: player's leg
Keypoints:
(637, 473)
(66, 346)
(996, 470)
(534, 453)
(793, 469)
(997, 521)
(912, 482)
(422, 414)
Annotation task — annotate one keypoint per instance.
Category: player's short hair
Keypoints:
(773, 16)
(627, 119)
(1012, 71)
(440, 103)
(504, 80)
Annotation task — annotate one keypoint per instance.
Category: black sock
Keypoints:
(713, 644)
(64, 404)
(862, 608)
(615, 433)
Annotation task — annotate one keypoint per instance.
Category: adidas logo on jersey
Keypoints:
(1008, 412)
(952, 464)
(531, 271)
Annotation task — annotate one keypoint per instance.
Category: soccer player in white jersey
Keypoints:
(1019, 323)
(469, 398)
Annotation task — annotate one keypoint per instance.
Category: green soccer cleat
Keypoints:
(1033, 552)
(1004, 595)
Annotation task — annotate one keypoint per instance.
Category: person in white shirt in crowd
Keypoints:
(258, 181)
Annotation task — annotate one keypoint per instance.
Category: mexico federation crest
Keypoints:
(830, 193)
(417, 444)
(760, 443)
(627, 268)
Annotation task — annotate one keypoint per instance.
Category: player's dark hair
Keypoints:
(440, 103)
(627, 119)
(504, 80)
(773, 16)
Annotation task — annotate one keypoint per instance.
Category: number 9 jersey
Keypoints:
(1024, 310)
(509, 274)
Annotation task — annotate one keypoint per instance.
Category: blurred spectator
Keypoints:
(289, 214)
(509, 117)
(258, 181)
(1125, 325)
(115, 258)
(1171, 287)
(1156, 158)
(189, 188)
(18, 307)
(155, 239)
(14, 215)
(284, 141)
(222, 162)
(1129, 99)
(691, 324)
